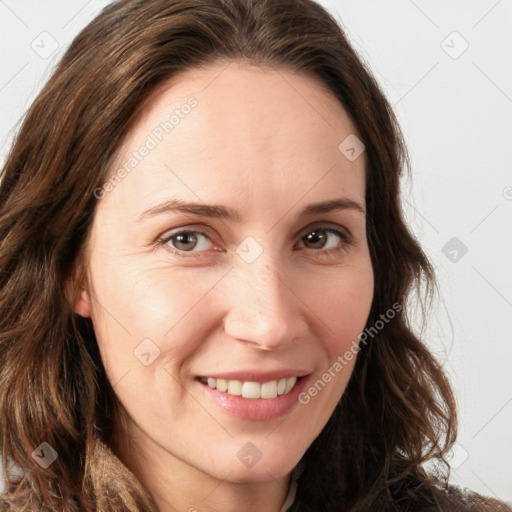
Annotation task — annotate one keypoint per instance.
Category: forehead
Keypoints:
(238, 129)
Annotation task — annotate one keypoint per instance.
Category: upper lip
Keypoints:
(258, 375)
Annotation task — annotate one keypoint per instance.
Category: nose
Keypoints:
(265, 310)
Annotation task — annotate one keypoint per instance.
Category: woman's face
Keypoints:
(212, 273)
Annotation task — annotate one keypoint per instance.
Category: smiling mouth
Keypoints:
(252, 390)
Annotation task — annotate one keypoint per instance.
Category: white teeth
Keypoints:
(235, 387)
(248, 389)
(269, 389)
(251, 390)
(222, 385)
(281, 387)
(290, 383)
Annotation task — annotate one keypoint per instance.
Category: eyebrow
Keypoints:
(224, 212)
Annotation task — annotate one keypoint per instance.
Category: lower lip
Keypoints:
(256, 409)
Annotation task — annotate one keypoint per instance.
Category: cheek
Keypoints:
(140, 309)
(343, 305)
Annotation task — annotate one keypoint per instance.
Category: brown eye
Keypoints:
(184, 241)
(316, 239)
(187, 241)
(325, 238)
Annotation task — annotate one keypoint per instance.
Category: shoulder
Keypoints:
(463, 500)
(4, 504)
(421, 492)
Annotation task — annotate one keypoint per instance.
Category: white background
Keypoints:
(455, 110)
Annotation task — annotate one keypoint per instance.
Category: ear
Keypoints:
(82, 303)
(78, 295)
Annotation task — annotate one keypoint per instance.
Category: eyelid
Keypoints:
(341, 231)
(327, 226)
(162, 240)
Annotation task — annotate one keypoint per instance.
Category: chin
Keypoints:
(250, 464)
(260, 472)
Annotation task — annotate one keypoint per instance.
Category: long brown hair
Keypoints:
(398, 410)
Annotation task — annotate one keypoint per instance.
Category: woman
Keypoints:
(204, 276)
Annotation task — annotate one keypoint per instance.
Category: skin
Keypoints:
(265, 142)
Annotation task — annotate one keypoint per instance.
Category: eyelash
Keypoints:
(333, 251)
